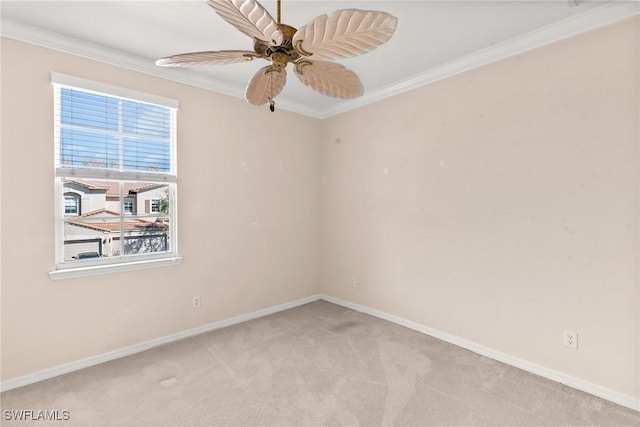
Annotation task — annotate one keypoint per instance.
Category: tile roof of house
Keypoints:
(132, 187)
(99, 211)
(114, 226)
(113, 189)
(141, 186)
(91, 185)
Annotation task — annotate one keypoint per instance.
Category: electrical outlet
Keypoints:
(356, 284)
(196, 302)
(571, 339)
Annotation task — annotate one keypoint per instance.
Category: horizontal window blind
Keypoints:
(101, 135)
(100, 87)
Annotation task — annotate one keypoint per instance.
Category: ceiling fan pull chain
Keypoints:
(272, 103)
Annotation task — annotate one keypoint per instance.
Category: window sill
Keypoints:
(95, 270)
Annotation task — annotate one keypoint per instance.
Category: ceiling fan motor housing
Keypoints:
(283, 53)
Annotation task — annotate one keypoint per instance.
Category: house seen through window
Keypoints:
(115, 173)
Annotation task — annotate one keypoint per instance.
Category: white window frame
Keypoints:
(71, 269)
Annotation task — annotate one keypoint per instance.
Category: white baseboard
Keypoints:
(137, 348)
(596, 390)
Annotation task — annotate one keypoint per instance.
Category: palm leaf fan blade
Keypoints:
(199, 59)
(249, 17)
(344, 33)
(329, 78)
(265, 85)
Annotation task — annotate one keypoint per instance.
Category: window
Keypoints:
(155, 205)
(71, 204)
(128, 206)
(114, 148)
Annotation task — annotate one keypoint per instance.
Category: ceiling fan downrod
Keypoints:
(279, 20)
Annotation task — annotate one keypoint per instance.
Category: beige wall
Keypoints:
(500, 206)
(248, 219)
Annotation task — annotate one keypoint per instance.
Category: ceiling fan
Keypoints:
(340, 34)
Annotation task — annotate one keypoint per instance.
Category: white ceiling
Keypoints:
(434, 39)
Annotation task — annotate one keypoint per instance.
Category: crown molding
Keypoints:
(588, 20)
(592, 18)
(36, 36)
(18, 31)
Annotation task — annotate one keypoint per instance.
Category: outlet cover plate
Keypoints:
(570, 339)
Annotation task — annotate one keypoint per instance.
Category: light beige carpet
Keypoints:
(318, 364)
